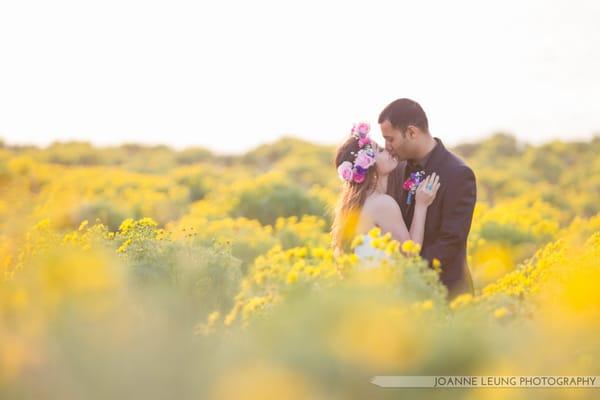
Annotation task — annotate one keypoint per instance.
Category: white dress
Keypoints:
(369, 256)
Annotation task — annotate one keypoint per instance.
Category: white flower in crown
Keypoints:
(364, 159)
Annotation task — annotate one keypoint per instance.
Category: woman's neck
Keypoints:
(382, 183)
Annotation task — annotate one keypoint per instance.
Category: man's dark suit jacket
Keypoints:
(448, 217)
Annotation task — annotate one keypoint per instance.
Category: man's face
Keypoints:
(398, 145)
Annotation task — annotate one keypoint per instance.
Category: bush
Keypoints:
(269, 201)
(106, 211)
(195, 279)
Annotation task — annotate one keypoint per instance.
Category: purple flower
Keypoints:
(363, 160)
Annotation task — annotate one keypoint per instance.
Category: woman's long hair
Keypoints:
(351, 199)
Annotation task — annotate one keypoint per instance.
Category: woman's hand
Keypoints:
(427, 190)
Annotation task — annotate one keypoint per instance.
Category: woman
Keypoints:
(363, 204)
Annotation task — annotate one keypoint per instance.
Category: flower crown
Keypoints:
(356, 171)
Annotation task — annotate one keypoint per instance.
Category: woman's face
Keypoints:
(384, 162)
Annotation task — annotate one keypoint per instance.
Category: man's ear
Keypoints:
(412, 131)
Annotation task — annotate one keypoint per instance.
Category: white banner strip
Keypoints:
(452, 381)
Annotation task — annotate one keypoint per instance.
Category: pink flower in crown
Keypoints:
(364, 141)
(357, 177)
(363, 128)
(363, 160)
(345, 171)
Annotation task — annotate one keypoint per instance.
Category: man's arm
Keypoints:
(457, 214)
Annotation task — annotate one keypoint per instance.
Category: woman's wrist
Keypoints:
(420, 206)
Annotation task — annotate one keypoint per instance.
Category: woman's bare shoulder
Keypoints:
(378, 201)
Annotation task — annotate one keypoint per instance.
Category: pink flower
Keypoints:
(358, 178)
(363, 141)
(363, 160)
(363, 128)
(345, 171)
(408, 184)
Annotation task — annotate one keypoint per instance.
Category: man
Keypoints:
(405, 128)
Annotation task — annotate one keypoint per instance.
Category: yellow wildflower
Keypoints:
(126, 225)
(378, 243)
(375, 232)
(124, 246)
(83, 224)
(392, 247)
(357, 242)
(300, 252)
(461, 301)
(213, 317)
(292, 277)
(318, 252)
(500, 312)
(411, 247)
(147, 221)
(427, 305)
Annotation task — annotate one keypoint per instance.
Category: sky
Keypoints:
(231, 75)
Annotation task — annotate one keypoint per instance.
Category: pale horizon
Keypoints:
(269, 142)
(233, 76)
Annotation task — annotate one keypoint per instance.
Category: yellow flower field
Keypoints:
(145, 272)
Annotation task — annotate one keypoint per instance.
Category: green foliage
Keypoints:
(268, 201)
(192, 155)
(106, 211)
(196, 278)
(196, 185)
(270, 153)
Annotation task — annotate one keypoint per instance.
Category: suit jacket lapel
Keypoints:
(438, 155)
(432, 165)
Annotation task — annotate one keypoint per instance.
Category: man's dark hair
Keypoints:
(404, 112)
